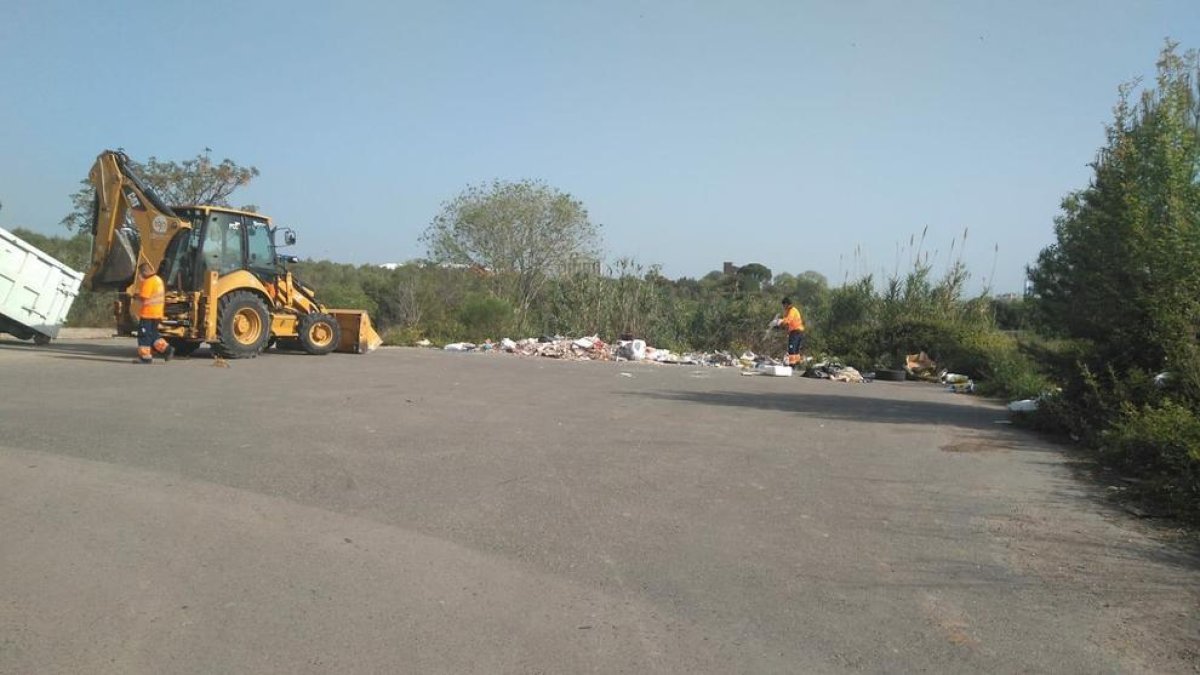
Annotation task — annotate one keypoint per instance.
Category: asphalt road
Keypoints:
(425, 512)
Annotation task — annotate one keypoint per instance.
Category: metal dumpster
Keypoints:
(36, 291)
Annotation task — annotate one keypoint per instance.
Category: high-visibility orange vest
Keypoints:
(792, 319)
(153, 296)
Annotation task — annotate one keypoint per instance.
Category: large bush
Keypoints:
(1161, 444)
(1122, 284)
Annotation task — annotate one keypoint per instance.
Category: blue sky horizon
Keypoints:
(803, 136)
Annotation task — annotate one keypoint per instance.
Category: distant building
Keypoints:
(580, 265)
(729, 269)
(390, 266)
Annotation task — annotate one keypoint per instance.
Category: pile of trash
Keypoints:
(959, 384)
(594, 349)
(832, 370)
(921, 367)
(581, 349)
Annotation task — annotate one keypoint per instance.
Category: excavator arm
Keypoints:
(130, 224)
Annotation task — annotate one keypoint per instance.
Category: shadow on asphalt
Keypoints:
(1085, 485)
(111, 353)
(77, 350)
(848, 408)
(86, 351)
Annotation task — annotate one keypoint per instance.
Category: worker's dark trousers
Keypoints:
(795, 346)
(149, 341)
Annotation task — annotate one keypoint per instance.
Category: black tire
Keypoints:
(41, 340)
(319, 333)
(243, 326)
(890, 375)
(184, 348)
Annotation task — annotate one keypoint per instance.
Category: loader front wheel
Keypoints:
(242, 326)
(319, 333)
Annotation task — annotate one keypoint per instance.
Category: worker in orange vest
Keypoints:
(793, 323)
(152, 297)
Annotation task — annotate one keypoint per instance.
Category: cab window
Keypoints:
(222, 250)
(259, 256)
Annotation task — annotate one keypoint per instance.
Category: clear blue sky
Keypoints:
(789, 133)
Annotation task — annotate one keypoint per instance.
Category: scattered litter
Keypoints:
(920, 366)
(832, 370)
(959, 384)
(424, 342)
(1161, 379)
(848, 374)
(220, 362)
(629, 348)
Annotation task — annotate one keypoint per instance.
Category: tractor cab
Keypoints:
(221, 240)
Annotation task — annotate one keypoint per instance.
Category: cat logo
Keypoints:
(159, 225)
(134, 202)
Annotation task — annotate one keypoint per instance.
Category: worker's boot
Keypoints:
(169, 353)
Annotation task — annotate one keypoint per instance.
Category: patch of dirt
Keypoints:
(974, 446)
(1145, 591)
(951, 620)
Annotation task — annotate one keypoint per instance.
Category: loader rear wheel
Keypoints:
(184, 348)
(319, 333)
(40, 339)
(242, 326)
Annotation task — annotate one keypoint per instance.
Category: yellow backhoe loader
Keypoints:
(226, 283)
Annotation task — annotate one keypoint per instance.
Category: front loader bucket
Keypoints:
(358, 337)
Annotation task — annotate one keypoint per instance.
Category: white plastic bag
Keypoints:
(633, 350)
(1025, 405)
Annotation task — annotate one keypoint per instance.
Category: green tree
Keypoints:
(192, 181)
(523, 233)
(1122, 282)
(754, 275)
(1124, 271)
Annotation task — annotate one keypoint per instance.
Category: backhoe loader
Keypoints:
(226, 283)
